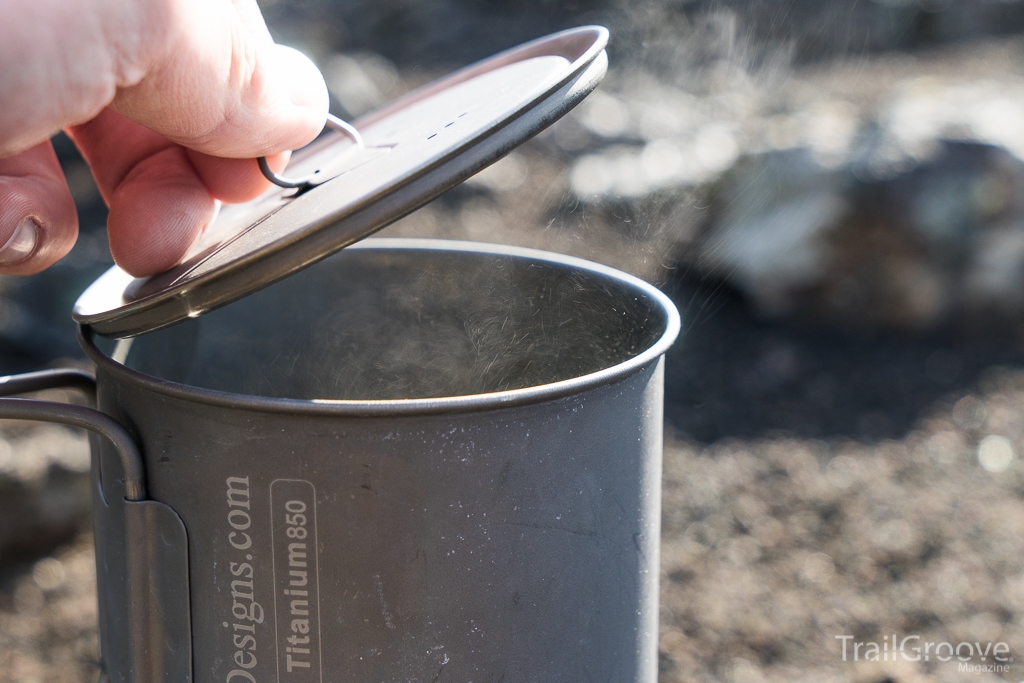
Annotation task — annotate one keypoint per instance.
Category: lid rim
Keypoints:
(425, 406)
(598, 45)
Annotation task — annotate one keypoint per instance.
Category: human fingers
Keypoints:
(160, 195)
(157, 212)
(113, 144)
(63, 62)
(158, 203)
(234, 180)
(204, 73)
(38, 220)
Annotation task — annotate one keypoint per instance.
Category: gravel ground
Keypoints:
(773, 547)
(48, 617)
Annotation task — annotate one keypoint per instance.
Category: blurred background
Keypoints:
(833, 194)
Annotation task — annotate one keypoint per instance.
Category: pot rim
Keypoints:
(423, 406)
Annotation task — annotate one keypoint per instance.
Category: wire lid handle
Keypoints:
(334, 123)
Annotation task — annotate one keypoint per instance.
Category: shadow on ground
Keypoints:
(733, 375)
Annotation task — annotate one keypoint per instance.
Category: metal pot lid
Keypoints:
(353, 183)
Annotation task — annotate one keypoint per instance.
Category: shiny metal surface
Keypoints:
(318, 177)
(60, 378)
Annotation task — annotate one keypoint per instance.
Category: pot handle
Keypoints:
(75, 416)
(147, 598)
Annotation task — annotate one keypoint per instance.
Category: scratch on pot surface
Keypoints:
(383, 603)
(439, 671)
(554, 527)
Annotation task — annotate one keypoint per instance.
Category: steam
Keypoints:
(379, 324)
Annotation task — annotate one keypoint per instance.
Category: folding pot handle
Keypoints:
(75, 416)
(148, 636)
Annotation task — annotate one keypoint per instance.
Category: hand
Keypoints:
(169, 101)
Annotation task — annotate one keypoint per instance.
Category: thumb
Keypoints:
(38, 222)
(216, 82)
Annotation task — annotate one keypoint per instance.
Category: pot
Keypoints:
(417, 460)
(411, 461)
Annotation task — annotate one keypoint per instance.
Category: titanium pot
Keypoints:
(414, 461)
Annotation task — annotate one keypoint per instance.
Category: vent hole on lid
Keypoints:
(431, 137)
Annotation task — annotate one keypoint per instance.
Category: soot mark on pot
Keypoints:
(368, 475)
(506, 470)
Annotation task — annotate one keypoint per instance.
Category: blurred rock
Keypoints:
(44, 489)
(940, 241)
(770, 234)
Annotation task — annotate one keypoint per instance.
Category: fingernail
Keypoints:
(21, 244)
